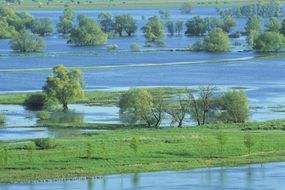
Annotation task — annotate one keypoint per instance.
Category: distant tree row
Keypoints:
(204, 106)
(268, 8)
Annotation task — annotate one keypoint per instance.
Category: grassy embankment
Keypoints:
(105, 4)
(158, 149)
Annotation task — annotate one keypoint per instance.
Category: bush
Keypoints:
(36, 102)
(113, 46)
(135, 47)
(44, 115)
(44, 143)
(197, 46)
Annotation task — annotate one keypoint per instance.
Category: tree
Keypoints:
(216, 41)
(65, 24)
(170, 27)
(153, 29)
(87, 33)
(248, 142)
(164, 14)
(27, 42)
(124, 23)
(234, 107)
(186, 8)
(201, 104)
(251, 37)
(229, 24)
(106, 21)
(178, 110)
(64, 86)
(196, 26)
(138, 106)
(273, 25)
(43, 26)
(269, 42)
(179, 26)
(253, 23)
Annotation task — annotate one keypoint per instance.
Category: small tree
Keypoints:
(134, 145)
(253, 23)
(248, 142)
(27, 42)
(64, 85)
(124, 23)
(222, 140)
(89, 150)
(269, 42)
(170, 27)
(106, 21)
(43, 26)
(216, 41)
(273, 25)
(178, 110)
(179, 26)
(229, 23)
(87, 33)
(153, 29)
(196, 26)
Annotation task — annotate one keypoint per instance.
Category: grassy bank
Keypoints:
(158, 149)
(106, 4)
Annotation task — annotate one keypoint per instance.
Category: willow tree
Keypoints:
(64, 85)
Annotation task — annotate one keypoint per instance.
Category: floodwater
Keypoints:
(251, 177)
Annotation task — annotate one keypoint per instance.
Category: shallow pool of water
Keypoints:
(251, 177)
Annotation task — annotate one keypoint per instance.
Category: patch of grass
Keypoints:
(159, 149)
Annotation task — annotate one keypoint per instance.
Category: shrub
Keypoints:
(134, 145)
(36, 102)
(44, 143)
(135, 47)
(113, 46)
(89, 150)
(249, 142)
(44, 115)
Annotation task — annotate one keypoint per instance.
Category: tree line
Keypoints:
(203, 105)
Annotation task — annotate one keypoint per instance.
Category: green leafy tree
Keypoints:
(179, 26)
(253, 23)
(249, 142)
(234, 106)
(27, 42)
(125, 23)
(196, 26)
(64, 86)
(43, 26)
(153, 30)
(106, 21)
(65, 24)
(134, 145)
(251, 37)
(87, 33)
(273, 25)
(170, 27)
(229, 24)
(216, 41)
(164, 14)
(222, 140)
(269, 42)
(138, 106)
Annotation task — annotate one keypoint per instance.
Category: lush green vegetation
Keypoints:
(124, 151)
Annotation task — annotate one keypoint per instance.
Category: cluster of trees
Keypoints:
(65, 24)
(270, 40)
(139, 106)
(268, 8)
(24, 30)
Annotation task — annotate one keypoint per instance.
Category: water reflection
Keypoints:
(247, 177)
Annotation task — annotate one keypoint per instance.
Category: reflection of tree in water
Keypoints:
(222, 176)
(90, 184)
(105, 183)
(136, 179)
(249, 175)
(68, 117)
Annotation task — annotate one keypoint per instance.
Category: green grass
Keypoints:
(159, 149)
